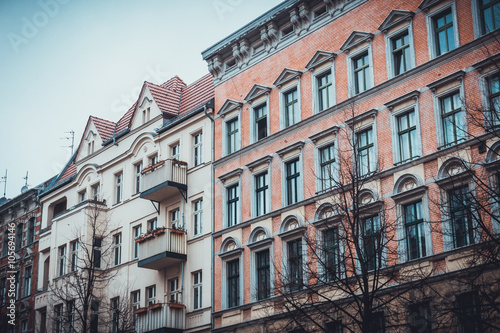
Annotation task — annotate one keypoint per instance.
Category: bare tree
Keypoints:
(80, 295)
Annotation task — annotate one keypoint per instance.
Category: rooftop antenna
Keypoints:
(72, 138)
(25, 187)
(4, 181)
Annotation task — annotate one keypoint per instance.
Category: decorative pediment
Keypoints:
(395, 17)
(286, 76)
(361, 117)
(231, 174)
(228, 106)
(144, 101)
(457, 76)
(90, 136)
(426, 4)
(356, 38)
(257, 91)
(412, 95)
(319, 58)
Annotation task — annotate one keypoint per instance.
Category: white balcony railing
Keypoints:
(163, 316)
(168, 170)
(170, 244)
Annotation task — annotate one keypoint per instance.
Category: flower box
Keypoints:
(140, 310)
(177, 231)
(176, 305)
(155, 306)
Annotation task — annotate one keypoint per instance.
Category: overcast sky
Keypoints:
(64, 60)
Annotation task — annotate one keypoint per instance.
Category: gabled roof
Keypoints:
(287, 75)
(105, 128)
(166, 99)
(319, 58)
(395, 17)
(356, 38)
(197, 94)
(257, 91)
(229, 105)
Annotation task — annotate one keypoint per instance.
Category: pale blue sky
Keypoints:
(63, 60)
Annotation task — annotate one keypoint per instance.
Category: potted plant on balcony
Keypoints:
(159, 231)
(140, 310)
(175, 304)
(155, 306)
(176, 230)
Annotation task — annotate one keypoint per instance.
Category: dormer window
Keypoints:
(146, 115)
(90, 148)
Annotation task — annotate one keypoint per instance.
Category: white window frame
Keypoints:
(117, 249)
(199, 288)
(173, 293)
(74, 245)
(282, 93)
(96, 189)
(138, 177)
(396, 154)
(151, 299)
(238, 204)
(317, 158)
(225, 143)
(173, 147)
(430, 28)
(197, 147)
(315, 87)
(197, 216)
(62, 260)
(224, 286)
(300, 181)
(258, 246)
(118, 187)
(374, 160)
(388, 49)
(174, 216)
(351, 81)
(253, 124)
(253, 200)
(136, 232)
(439, 119)
(27, 281)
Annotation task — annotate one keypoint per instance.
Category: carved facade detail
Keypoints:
(215, 66)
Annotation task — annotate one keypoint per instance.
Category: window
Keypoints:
(5, 246)
(414, 229)
(137, 233)
(232, 205)
(62, 260)
(82, 196)
(444, 36)
(260, 116)
(97, 243)
(138, 177)
(261, 189)
(377, 325)
(175, 151)
(294, 261)
(292, 109)
(326, 166)
(151, 294)
(145, 115)
(19, 236)
(74, 256)
(153, 160)
(71, 316)
(175, 221)
(153, 224)
(325, 91)
(24, 326)
(173, 290)
(401, 53)
(331, 252)
(372, 242)
(292, 175)
(197, 217)
(135, 298)
(95, 192)
(94, 317)
(361, 70)
(232, 132)
(233, 283)
(452, 118)
(118, 187)
(117, 249)
(490, 15)
(419, 319)
(17, 283)
(30, 238)
(469, 313)
(27, 282)
(263, 274)
(407, 136)
(494, 100)
(197, 148)
(365, 152)
(197, 284)
(58, 318)
(3, 290)
(115, 314)
(460, 216)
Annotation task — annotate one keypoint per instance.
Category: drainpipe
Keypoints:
(213, 210)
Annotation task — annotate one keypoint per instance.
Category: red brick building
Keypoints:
(395, 97)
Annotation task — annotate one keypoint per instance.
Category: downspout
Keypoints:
(114, 136)
(212, 212)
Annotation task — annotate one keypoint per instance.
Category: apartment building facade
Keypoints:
(127, 222)
(391, 102)
(20, 220)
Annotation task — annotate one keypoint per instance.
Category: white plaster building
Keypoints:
(149, 178)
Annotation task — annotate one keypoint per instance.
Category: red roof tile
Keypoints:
(68, 173)
(126, 120)
(105, 127)
(166, 99)
(197, 93)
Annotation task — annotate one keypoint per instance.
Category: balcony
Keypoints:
(162, 248)
(163, 180)
(160, 318)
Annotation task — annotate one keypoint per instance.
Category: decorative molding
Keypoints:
(228, 106)
(236, 172)
(266, 159)
(355, 38)
(493, 60)
(293, 146)
(457, 76)
(395, 17)
(406, 97)
(319, 58)
(332, 130)
(287, 75)
(365, 115)
(426, 4)
(257, 91)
